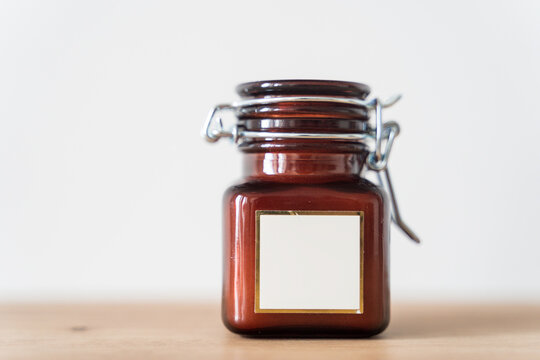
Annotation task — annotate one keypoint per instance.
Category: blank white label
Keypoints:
(309, 261)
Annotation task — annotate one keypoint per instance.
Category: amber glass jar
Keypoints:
(305, 234)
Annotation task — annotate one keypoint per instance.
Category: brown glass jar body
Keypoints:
(303, 176)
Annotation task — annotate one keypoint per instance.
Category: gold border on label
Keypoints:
(258, 214)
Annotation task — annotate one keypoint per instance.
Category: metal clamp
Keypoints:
(381, 137)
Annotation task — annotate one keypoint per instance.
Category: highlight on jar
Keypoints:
(306, 233)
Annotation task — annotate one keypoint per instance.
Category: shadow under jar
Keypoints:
(305, 234)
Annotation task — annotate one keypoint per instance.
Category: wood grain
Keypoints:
(194, 331)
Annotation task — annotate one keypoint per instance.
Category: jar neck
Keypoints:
(303, 167)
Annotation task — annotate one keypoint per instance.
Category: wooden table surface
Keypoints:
(194, 331)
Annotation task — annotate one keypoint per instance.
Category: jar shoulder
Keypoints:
(353, 190)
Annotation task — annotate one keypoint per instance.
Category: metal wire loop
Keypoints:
(213, 129)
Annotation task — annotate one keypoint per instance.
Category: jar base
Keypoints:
(287, 332)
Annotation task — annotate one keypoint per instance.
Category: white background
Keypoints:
(108, 192)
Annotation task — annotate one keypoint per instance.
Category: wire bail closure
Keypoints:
(382, 137)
